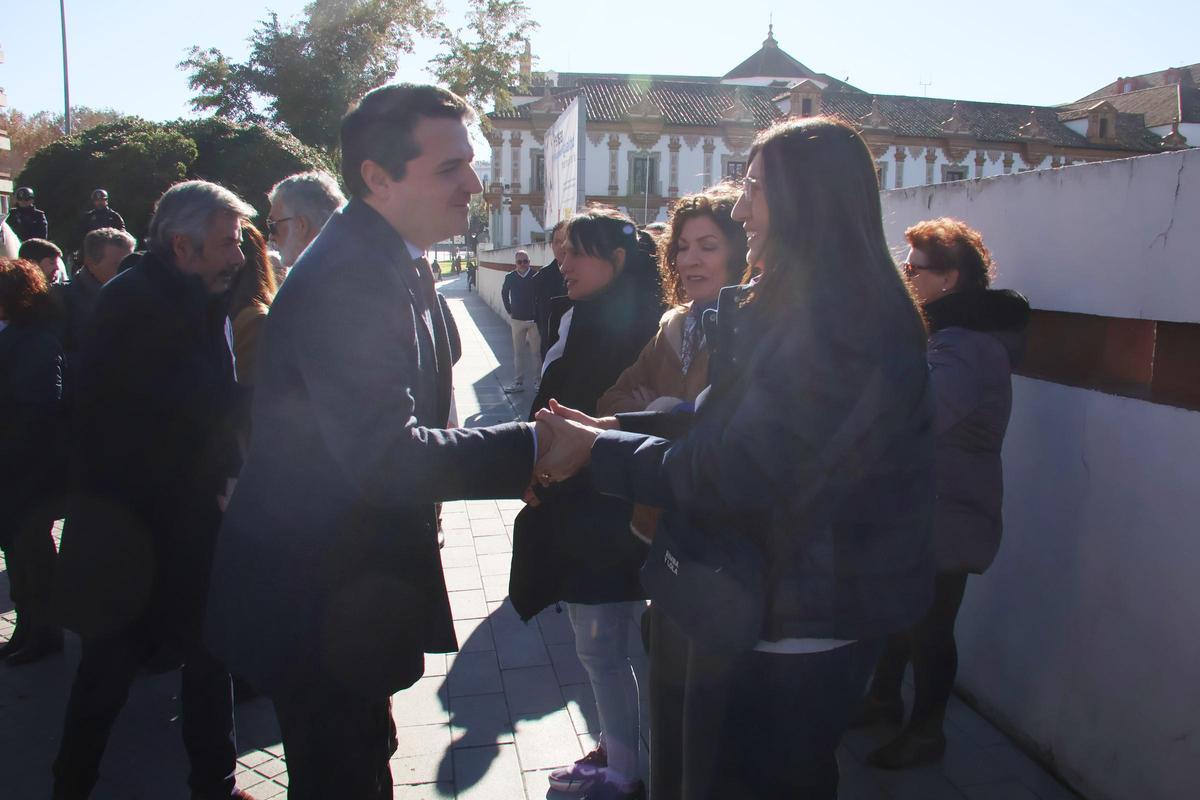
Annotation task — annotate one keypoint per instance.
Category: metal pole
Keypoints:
(62, 10)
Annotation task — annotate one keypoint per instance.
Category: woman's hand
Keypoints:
(570, 451)
(603, 423)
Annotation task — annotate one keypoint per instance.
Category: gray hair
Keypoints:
(313, 195)
(188, 209)
(96, 242)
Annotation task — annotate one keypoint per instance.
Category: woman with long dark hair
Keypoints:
(31, 370)
(574, 545)
(977, 334)
(798, 501)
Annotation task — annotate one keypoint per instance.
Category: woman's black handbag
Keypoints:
(712, 583)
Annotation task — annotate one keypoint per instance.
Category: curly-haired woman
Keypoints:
(976, 337)
(31, 364)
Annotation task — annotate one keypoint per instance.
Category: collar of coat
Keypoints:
(986, 310)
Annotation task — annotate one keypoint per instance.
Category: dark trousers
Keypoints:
(751, 725)
(337, 744)
(106, 672)
(29, 559)
(930, 646)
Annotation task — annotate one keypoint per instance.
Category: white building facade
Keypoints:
(652, 139)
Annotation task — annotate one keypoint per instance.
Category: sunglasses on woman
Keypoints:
(911, 269)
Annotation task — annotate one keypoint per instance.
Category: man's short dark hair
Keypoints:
(37, 249)
(380, 128)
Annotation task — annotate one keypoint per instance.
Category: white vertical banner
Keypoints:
(564, 148)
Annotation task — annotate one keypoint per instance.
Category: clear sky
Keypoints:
(124, 52)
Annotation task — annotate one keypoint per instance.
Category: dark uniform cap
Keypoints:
(24, 193)
(100, 194)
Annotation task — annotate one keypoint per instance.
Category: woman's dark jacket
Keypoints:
(976, 338)
(154, 408)
(565, 548)
(31, 427)
(815, 441)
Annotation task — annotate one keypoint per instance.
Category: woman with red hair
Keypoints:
(31, 364)
(976, 337)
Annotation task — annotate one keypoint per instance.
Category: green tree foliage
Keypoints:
(136, 161)
(31, 132)
(484, 64)
(306, 74)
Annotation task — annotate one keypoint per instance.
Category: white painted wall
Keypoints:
(1117, 238)
(1082, 638)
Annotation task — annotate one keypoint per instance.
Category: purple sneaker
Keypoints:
(581, 776)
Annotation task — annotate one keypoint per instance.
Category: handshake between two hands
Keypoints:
(564, 442)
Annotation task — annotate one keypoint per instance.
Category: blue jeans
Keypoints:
(602, 644)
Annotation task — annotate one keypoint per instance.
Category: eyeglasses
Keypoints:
(911, 269)
(749, 186)
(272, 225)
(522, 260)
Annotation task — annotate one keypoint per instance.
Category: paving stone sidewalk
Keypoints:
(487, 723)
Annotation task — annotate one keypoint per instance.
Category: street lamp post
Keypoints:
(62, 11)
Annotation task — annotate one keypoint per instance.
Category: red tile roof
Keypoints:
(1160, 105)
(689, 104)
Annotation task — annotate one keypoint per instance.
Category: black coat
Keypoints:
(565, 548)
(31, 428)
(98, 218)
(815, 441)
(976, 339)
(153, 405)
(327, 568)
(547, 285)
(29, 223)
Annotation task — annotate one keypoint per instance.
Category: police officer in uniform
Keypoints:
(27, 220)
(101, 216)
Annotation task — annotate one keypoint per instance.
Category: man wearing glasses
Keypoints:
(300, 207)
(518, 295)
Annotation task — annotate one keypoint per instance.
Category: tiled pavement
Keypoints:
(488, 722)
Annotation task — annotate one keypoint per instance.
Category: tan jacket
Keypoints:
(658, 369)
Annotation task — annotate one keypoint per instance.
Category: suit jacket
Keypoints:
(547, 285)
(327, 566)
(154, 404)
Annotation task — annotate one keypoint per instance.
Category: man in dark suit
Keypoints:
(327, 586)
(154, 399)
(548, 284)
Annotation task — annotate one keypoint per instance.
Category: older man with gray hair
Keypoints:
(154, 399)
(300, 207)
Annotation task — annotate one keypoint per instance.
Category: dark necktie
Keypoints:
(428, 292)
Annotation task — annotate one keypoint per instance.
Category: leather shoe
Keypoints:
(19, 637)
(910, 749)
(39, 645)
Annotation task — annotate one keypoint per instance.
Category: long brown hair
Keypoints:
(825, 246)
(716, 203)
(255, 282)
